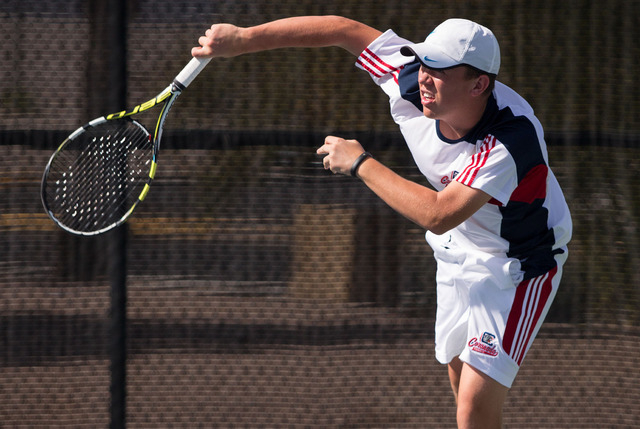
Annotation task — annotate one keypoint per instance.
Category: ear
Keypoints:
(481, 85)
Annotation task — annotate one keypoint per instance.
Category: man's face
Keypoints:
(444, 94)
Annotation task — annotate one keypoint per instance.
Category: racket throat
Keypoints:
(177, 87)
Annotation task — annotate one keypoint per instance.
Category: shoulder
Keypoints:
(514, 125)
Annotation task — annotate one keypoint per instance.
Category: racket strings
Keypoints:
(97, 177)
(112, 161)
(106, 195)
(112, 185)
(107, 155)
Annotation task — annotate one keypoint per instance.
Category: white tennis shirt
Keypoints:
(505, 155)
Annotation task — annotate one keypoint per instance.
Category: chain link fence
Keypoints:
(263, 291)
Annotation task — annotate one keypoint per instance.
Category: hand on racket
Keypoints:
(221, 40)
(103, 170)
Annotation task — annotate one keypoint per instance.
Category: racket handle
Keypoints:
(191, 70)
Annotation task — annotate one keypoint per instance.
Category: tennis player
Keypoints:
(497, 220)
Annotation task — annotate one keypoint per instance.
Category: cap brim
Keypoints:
(408, 51)
(428, 56)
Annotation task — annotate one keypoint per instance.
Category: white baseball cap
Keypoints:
(455, 42)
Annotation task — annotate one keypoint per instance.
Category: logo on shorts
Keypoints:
(487, 345)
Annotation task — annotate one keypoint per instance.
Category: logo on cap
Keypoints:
(426, 58)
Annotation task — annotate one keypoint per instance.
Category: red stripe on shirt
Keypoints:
(369, 69)
(389, 67)
(533, 186)
(380, 71)
(477, 161)
(376, 66)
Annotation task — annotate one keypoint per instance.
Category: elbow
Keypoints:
(440, 223)
(436, 226)
(438, 229)
(440, 220)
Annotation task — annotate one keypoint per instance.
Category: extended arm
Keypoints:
(227, 40)
(435, 211)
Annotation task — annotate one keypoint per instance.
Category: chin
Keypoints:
(428, 113)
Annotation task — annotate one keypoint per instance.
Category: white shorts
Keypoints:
(487, 316)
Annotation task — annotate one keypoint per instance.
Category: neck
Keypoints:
(452, 132)
(459, 126)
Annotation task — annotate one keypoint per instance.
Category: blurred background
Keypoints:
(260, 290)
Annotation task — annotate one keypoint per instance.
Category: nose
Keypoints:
(423, 75)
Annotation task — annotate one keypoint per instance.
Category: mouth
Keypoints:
(426, 97)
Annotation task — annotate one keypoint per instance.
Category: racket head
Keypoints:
(98, 175)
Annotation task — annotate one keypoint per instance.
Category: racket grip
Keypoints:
(191, 70)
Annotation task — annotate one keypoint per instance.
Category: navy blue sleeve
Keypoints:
(408, 83)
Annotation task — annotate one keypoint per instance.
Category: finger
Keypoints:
(201, 51)
(326, 163)
(329, 140)
(203, 41)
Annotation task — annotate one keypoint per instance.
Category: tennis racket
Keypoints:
(104, 169)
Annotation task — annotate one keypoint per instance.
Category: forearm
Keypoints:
(311, 32)
(226, 40)
(412, 200)
(437, 212)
